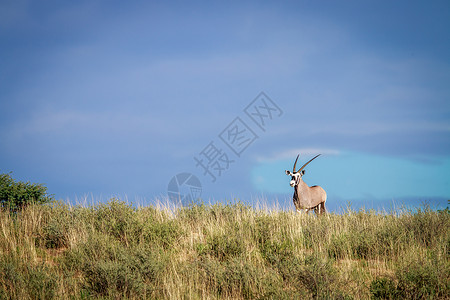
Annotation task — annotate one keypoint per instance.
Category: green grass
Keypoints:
(232, 251)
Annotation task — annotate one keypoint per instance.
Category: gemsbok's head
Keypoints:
(296, 176)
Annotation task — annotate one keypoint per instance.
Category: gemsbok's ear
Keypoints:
(302, 172)
(288, 172)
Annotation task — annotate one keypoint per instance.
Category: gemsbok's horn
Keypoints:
(293, 170)
(306, 163)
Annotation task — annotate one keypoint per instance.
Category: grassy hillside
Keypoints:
(221, 251)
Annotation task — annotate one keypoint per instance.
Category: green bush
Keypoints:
(383, 288)
(193, 214)
(106, 277)
(416, 279)
(339, 246)
(222, 247)
(238, 279)
(56, 224)
(16, 195)
(423, 225)
(424, 278)
(163, 234)
(54, 236)
(111, 268)
(115, 218)
(22, 281)
(320, 278)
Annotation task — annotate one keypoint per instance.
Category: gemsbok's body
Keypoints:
(306, 197)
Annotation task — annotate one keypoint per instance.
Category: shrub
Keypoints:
(16, 195)
(58, 226)
(26, 281)
(106, 277)
(339, 246)
(238, 278)
(115, 218)
(54, 236)
(228, 212)
(110, 268)
(363, 244)
(194, 213)
(423, 225)
(276, 252)
(421, 279)
(250, 280)
(383, 288)
(222, 247)
(319, 277)
(162, 234)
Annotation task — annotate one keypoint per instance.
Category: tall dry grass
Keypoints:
(232, 251)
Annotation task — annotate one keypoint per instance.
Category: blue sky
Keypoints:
(107, 98)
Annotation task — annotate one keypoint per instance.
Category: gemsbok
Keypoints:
(306, 197)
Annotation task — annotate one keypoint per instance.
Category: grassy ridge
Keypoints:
(231, 251)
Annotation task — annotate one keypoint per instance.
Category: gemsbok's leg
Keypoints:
(301, 210)
(316, 209)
